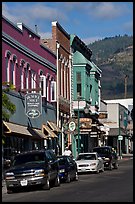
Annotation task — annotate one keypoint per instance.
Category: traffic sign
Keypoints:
(120, 137)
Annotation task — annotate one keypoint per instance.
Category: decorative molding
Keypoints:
(6, 38)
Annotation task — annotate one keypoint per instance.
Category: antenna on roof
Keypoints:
(36, 29)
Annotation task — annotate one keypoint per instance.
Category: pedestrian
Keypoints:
(67, 152)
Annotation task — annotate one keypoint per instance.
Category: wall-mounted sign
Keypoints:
(33, 105)
(72, 126)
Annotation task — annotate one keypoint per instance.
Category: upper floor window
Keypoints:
(53, 91)
(22, 63)
(79, 83)
(7, 56)
(12, 67)
(42, 84)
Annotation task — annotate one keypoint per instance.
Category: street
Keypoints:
(109, 186)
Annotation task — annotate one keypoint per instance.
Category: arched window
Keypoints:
(42, 83)
(13, 69)
(53, 91)
(47, 86)
(7, 56)
(26, 73)
(33, 80)
(22, 62)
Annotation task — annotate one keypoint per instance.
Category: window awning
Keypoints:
(53, 126)
(23, 130)
(49, 132)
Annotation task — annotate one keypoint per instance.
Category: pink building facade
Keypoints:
(26, 63)
(31, 67)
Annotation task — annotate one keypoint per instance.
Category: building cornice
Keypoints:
(9, 40)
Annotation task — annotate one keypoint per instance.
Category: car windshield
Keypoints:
(86, 157)
(61, 161)
(28, 158)
(101, 151)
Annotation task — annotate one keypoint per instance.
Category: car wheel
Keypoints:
(97, 172)
(76, 177)
(102, 169)
(110, 166)
(116, 165)
(57, 181)
(47, 185)
(68, 180)
(9, 190)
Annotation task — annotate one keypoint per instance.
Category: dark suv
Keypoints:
(108, 155)
(37, 167)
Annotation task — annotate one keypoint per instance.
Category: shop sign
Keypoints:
(120, 137)
(33, 105)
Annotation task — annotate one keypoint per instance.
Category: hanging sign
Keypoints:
(33, 105)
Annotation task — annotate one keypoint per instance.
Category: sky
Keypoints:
(90, 21)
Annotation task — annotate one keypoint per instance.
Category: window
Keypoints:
(53, 91)
(7, 55)
(79, 86)
(33, 80)
(22, 62)
(12, 67)
(43, 85)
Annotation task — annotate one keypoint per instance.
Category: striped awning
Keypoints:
(53, 126)
(23, 130)
(47, 131)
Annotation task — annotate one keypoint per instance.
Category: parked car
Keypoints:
(109, 156)
(33, 168)
(67, 168)
(89, 162)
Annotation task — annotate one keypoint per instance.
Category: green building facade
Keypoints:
(85, 94)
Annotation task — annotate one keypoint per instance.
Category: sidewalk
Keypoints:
(125, 156)
(4, 189)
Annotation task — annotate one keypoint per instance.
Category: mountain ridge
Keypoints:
(114, 56)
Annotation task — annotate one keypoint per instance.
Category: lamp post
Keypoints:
(78, 126)
(120, 151)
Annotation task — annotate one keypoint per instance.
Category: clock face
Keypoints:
(72, 126)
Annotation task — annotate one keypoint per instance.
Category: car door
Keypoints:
(51, 165)
(100, 161)
(72, 167)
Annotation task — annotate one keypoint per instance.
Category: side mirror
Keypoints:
(99, 158)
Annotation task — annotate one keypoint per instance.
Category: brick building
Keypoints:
(60, 45)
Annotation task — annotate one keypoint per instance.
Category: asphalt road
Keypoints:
(109, 186)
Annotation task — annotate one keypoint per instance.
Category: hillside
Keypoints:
(114, 56)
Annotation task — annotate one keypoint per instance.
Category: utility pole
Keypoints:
(126, 86)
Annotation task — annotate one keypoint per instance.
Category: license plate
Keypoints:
(83, 169)
(24, 183)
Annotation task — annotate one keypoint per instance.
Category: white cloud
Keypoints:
(34, 12)
(107, 10)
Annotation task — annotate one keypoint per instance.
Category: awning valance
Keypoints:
(53, 126)
(23, 130)
(47, 131)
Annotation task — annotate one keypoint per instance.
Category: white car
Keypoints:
(89, 162)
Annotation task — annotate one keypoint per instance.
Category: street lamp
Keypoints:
(120, 150)
(86, 110)
(78, 126)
